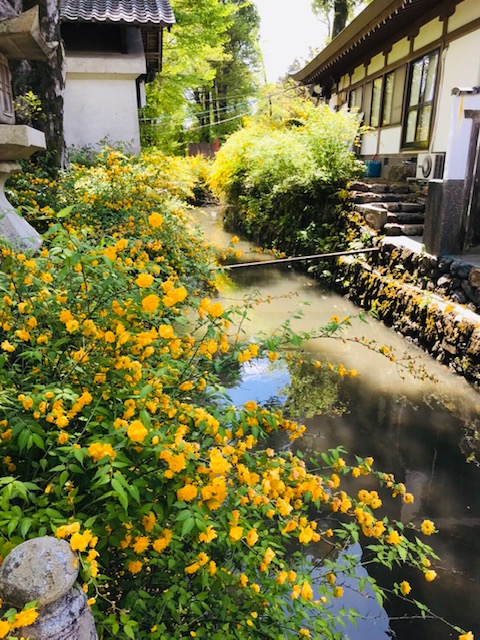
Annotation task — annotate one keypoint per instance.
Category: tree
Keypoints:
(336, 13)
(223, 101)
(210, 60)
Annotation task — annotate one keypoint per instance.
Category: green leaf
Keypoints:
(120, 492)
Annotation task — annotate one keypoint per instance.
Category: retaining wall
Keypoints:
(432, 301)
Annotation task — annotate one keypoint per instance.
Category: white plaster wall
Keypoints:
(369, 144)
(460, 68)
(390, 140)
(101, 106)
(459, 136)
(465, 12)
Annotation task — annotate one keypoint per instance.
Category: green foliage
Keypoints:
(280, 176)
(116, 435)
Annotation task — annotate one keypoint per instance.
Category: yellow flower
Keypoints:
(137, 431)
(338, 592)
(161, 543)
(408, 498)
(405, 588)
(141, 543)
(193, 568)
(144, 280)
(464, 636)
(97, 451)
(215, 310)
(155, 219)
(148, 521)
(305, 633)
(235, 533)
(251, 537)
(187, 493)
(80, 541)
(208, 535)
(165, 331)
(4, 628)
(150, 303)
(430, 575)
(427, 527)
(135, 566)
(24, 618)
(394, 537)
(6, 346)
(62, 437)
(306, 592)
(67, 530)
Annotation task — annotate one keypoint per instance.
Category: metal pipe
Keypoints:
(317, 256)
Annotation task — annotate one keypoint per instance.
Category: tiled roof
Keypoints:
(134, 12)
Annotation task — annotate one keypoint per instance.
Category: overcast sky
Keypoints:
(288, 30)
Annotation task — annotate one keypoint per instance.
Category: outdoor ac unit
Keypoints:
(430, 166)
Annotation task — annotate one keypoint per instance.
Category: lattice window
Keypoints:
(7, 114)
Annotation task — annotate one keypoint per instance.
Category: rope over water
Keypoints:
(318, 256)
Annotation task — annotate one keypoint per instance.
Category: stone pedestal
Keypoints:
(17, 142)
(443, 217)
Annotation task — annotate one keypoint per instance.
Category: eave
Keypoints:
(380, 24)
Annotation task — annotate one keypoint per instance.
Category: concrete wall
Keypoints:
(100, 100)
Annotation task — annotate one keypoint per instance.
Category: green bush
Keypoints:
(116, 435)
(280, 178)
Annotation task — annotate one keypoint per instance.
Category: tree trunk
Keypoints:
(340, 9)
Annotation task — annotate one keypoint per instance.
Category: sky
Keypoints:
(287, 31)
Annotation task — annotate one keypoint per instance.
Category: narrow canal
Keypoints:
(417, 429)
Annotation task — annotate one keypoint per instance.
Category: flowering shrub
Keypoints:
(279, 177)
(115, 435)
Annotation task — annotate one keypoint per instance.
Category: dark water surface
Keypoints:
(416, 429)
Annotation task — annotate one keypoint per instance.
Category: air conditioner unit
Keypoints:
(430, 166)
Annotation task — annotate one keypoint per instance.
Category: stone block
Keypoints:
(42, 569)
(474, 277)
(69, 618)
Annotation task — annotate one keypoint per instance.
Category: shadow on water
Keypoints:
(413, 428)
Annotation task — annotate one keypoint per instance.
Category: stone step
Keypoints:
(405, 217)
(395, 229)
(380, 187)
(366, 197)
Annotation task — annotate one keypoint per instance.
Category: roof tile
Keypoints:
(134, 12)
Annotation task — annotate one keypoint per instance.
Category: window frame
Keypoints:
(424, 102)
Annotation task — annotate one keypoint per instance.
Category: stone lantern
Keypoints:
(20, 39)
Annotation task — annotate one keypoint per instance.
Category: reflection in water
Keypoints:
(412, 427)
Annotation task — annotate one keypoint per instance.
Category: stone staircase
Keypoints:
(391, 209)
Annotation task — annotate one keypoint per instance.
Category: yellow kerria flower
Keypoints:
(80, 541)
(394, 537)
(155, 219)
(464, 636)
(235, 533)
(4, 628)
(405, 588)
(430, 575)
(24, 618)
(150, 303)
(141, 543)
(135, 566)
(251, 537)
(136, 431)
(67, 530)
(215, 310)
(148, 521)
(187, 493)
(427, 528)
(144, 280)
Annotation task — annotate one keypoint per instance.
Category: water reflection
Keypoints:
(413, 428)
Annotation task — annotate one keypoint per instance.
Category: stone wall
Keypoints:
(432, 301)
(45, 570)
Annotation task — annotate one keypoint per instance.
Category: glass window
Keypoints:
(376, 102)
(6, 101)
(421, 94)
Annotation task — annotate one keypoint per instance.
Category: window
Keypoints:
(7, 115)
(393, 90)
(383, 98)
(420, 101)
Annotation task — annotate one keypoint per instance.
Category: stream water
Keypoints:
(413, 428)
